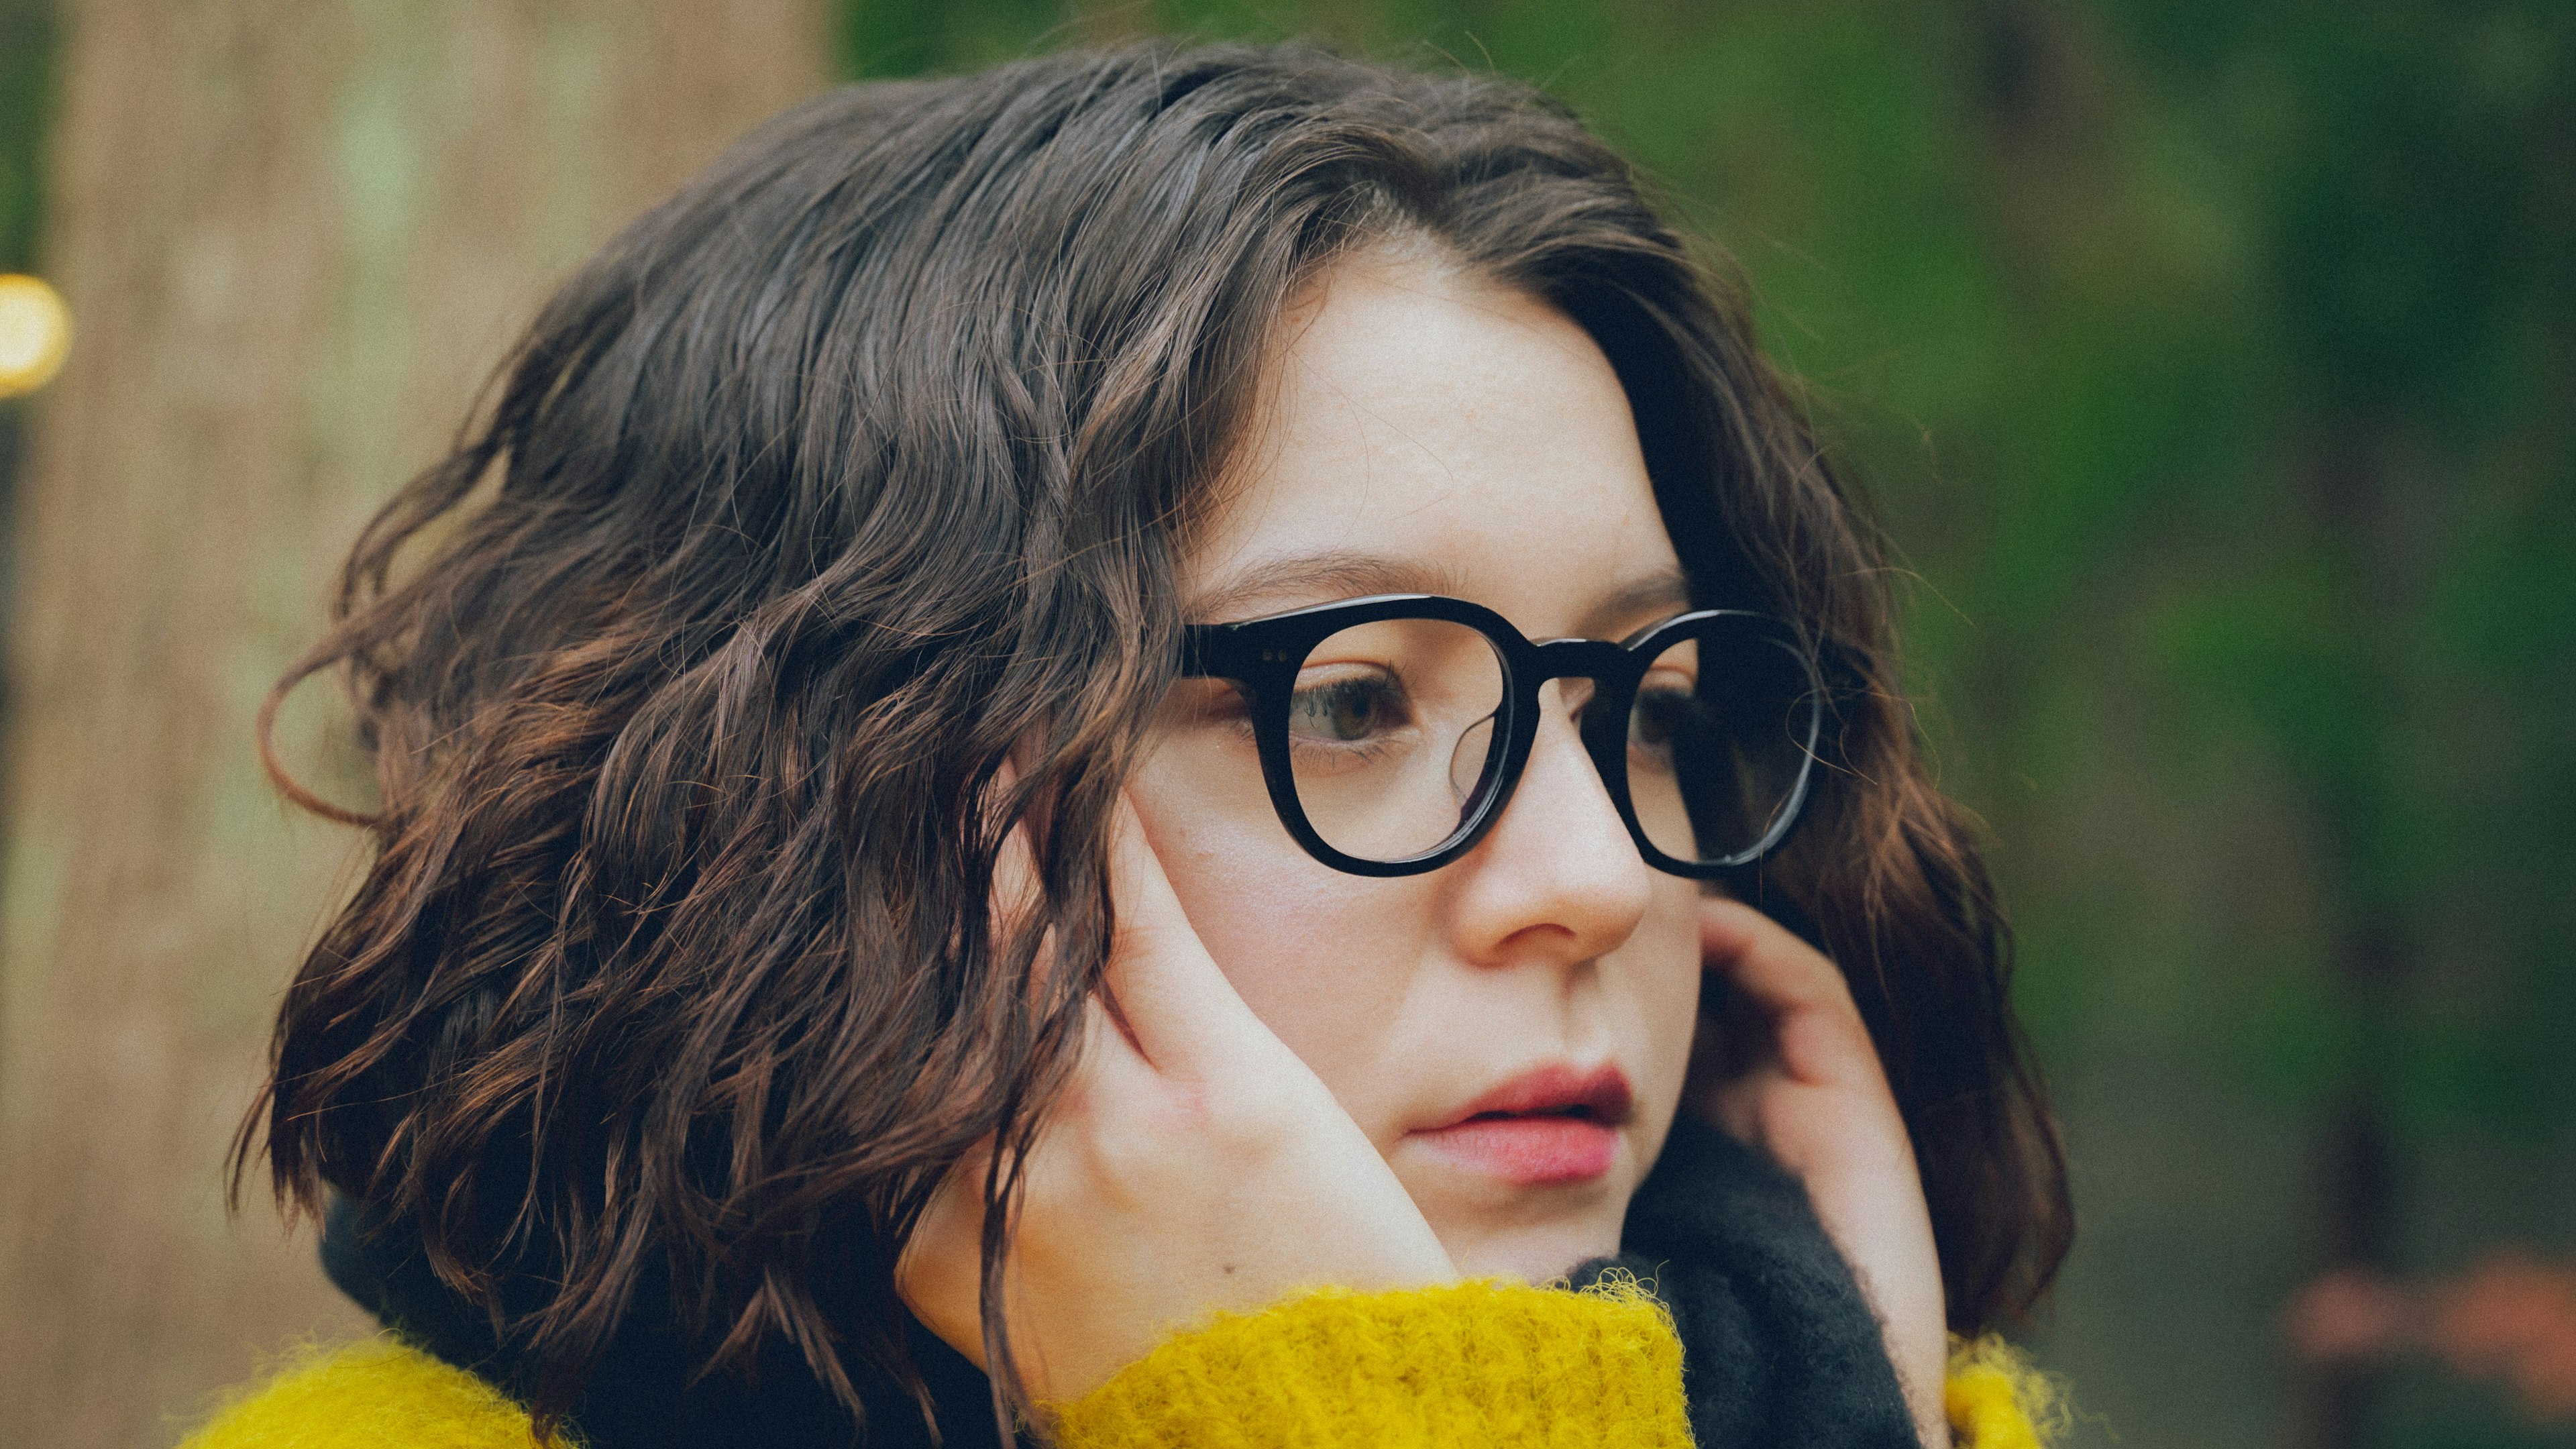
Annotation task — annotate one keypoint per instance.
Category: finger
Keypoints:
(1763, 960)
(1112, 1061)
(1018, 897)
(940, 1274)
(1815, 1027)
(1169, 992)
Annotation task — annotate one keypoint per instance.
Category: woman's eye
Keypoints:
(1659, 714)
(1350, 708)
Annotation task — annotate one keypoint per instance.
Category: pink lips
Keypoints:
(1552, 1125)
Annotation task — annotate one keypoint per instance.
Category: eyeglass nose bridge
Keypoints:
(1593, 659)
(1607, 665)
(1511, 736)
(1515, 731)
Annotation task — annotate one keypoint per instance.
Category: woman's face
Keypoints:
(1511, 1030)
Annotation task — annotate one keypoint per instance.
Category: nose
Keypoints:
(1558, 876)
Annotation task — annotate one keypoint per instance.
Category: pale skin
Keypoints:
(1291, 1032)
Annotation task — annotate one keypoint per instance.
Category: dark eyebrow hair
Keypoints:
(1662, 594)
(1324, 577)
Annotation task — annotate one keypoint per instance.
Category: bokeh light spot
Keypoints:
(35, 332)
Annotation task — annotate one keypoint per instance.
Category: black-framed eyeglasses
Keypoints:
(1392, 729)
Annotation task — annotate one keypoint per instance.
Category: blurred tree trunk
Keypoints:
(2360, 1162)
(294, 238)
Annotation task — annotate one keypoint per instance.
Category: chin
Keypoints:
(1533, 1252)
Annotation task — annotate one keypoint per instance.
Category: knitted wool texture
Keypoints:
(1780, 1347)
(376, 1392)
(1994, 1399)
(1487, 1364)
(1475, 1363)
(1480, 1364)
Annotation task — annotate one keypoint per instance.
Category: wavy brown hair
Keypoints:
(861, 466)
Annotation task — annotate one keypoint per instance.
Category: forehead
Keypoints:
(1423, 430)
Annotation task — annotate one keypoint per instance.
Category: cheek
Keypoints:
(1323, 958)
(1663, 993)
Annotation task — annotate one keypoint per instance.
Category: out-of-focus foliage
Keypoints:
(26, 93)
(26, 60)
(2215, 367)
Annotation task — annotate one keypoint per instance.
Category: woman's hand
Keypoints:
(1788, 1067)
(1193, 1165)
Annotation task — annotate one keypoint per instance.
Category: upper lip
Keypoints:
(1599, 1093)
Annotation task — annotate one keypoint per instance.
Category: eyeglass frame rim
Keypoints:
(1262, 656)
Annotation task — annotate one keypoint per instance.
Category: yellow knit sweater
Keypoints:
(1491, 1365)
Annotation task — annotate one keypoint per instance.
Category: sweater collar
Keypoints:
(1778, 1345)
(646, 1393)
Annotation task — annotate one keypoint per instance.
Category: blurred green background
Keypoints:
(2214, 367)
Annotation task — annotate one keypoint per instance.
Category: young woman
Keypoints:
(1173, 746)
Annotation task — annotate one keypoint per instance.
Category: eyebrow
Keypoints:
(1323, 577)
(1662, 593)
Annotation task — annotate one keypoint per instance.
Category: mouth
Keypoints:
(1553, 1125)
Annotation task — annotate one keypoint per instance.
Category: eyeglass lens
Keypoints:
(1390, 733)
(1391, 737)
(1716, 742)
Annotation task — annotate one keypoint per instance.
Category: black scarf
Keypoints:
(1778, 1347)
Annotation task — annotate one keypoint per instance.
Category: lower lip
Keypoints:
(1530, 1151)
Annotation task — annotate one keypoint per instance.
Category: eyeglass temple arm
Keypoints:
(1224, 651)
(1200, 650)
